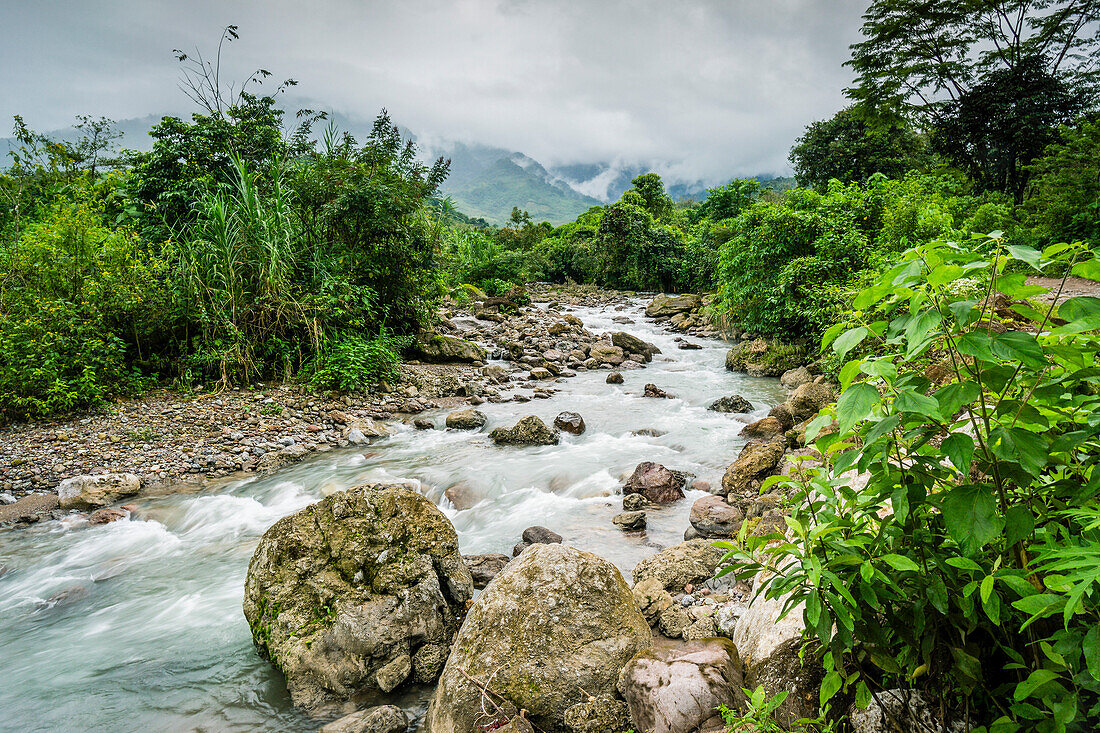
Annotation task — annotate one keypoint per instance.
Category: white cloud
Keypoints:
(699, 89)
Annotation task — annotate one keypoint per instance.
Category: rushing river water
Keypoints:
(137, 625)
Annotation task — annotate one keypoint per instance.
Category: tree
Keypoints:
(1066, 185)
(997, 128)
(918, 55)
(726, 202)
(652, 190)
(850, 150)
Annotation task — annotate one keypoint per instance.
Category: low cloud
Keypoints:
(699, 90)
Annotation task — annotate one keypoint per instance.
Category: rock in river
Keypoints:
(733, 403)
(551, 631)
(656, 483)
(352, 592)
(439, 348)
(468, 419)
(528, 431)
(95, 491)
(381, 719)
(570, 422)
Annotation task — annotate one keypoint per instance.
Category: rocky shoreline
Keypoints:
(172, 440)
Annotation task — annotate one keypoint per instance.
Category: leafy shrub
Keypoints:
(354, 362)
(968, 566)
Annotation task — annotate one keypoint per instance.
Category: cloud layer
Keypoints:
(700, 89)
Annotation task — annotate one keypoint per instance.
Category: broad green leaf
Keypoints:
(1027, 449)
(1019, 524)
(832, 332)
(863, 695)
(900, 562)
(978, 344)
(849, 372)
(1090, 269)
(1078, 308)
(882, 427)
(855, 404)
(918, 332)
(965, 311)
(910, 400)
(1026, 254)
(883, 368)
(959, 447)
(848, 340)
(1035, 680)
(1040, 605)
(817, 425)
(955, 395)
(830, 686)
(943, 274)
(970, 513)
(1015, 286)
(1019, 345)
(1091, 647)
(986, 588)
(964, 563)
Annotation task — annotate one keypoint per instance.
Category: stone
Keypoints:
(570, 422)
(629, 521)
(652, 599)
(463, 495)
(792, 379)
(381, 719)
(755, 463)
(551, 631)
(674, 567)
(483, 568)
(598, 715)
(541, 536)
(633, 345)
(423, 423)
(528, 431)
(541, 373)
(106, 516)
(669, 305)
(656, 483)
(677, 688)
(673, 621)
(702, 628)
(760, 358)
(343, 588)
(427, 663)
(496, 373)
(607, 354)
(733, 403)
(711, 516)
(688, 346)
(634, 502)
(468, 419)
(808, 400)
(765, 429)
(652, 390)
(770, 650)
(782, 413)
(394, 673)
(901, 711)
(615, 378)
(441, 349)
(95, 491)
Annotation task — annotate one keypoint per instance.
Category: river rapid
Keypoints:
(137, 625)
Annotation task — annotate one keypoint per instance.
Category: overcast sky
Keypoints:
(698, 89)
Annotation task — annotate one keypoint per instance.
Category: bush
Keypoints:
(968, 566)
(355, 362)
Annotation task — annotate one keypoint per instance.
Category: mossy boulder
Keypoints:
(665, 305)
(552, 630)
(755, 463)
(762, 358)
(344, 592)
(437, 348)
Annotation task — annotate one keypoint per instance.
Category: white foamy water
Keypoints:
(137, 625)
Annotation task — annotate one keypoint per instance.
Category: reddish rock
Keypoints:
(656, 483)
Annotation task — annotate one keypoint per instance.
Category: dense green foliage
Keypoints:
(968, 566)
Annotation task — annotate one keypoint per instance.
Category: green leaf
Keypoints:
(849, 372)
(955, 395)
(910, 400)
(1075, 309)
(882, 427)
(855, 404)
(970, 513)
(1015, 286)
(1091, 647)
(832, 332)
(1035, 680)
(1090, 269)
(1021, 346)
(986, 588)
(917, 332)
(830, 686)
(900, 562)
(1019, 524)
(959, 447)
(849, 340)
(964, 563)
(964, 311)
(863, 695)
(978, 344)
(1031, 256)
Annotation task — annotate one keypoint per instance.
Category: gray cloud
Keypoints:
(700, 89)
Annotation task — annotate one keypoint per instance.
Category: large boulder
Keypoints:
(808, 400)
(901, 711)
(761, 358)
(570, 422)
(656, 483)
(528, 431)
(755, 463)
(468, 419)
(792, 379)
(381, 719)
(95, 491)
(770, 651)
(694, 562)
(607, 354)
(437, 348)
(678, 688)
(669, 305)
(711, 516)
(551, 631)
(634, 345)
(765, 429)
(350, 592)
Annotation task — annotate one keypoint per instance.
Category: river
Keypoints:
(137, 625)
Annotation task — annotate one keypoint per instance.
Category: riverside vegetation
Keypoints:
(942, 535)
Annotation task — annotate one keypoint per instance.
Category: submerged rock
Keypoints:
(353, 585)
(652, 390)
(528, 431)
(630, 521)
(615, 378)
(634, 345)
(95, 491)
(553, 630)
(381, 719)
(536, 536)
